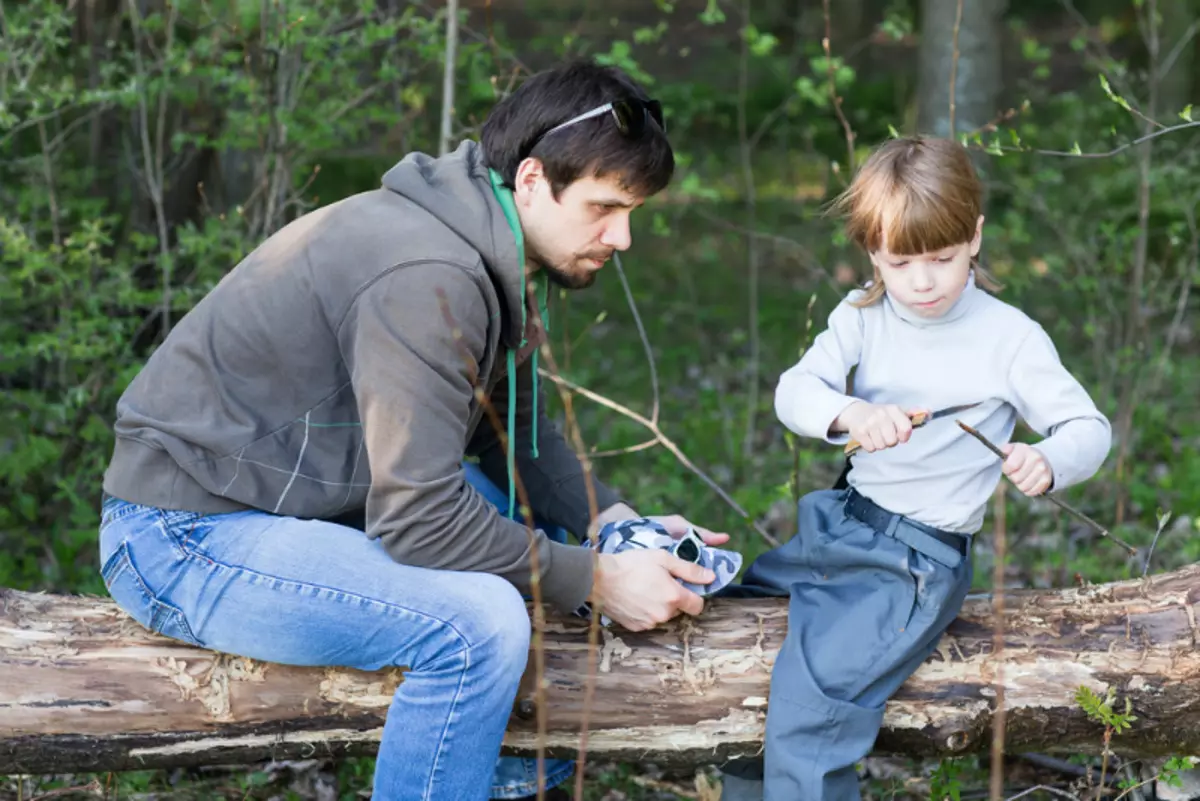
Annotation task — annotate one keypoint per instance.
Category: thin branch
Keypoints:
(649, 351)
(152, 176)
(1000, 552)
(576, 436)
(1107, 154)
(448, 76)
(641, 446)
(1046, 789)
(953, 81)
(833, 93)
(751, 201)
(1176, 51)
(535, 582)
(666, 443)
(1106, 59)
(809, 260)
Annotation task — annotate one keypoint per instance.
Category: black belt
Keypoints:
(879, 519)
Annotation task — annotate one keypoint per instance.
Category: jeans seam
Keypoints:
(437, 754)
(157, 604)
(333, 593)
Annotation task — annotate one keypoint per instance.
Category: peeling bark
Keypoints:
(85, 688)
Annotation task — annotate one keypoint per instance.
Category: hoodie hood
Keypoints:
(461, 192)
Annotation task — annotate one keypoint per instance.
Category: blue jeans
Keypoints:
(310, 592)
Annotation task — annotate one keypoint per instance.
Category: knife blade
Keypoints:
(919, 419)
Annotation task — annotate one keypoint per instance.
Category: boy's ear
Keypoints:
(977, 240)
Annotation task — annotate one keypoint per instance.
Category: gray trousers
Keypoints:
(869, 602)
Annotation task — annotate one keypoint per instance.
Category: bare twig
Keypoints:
(666, 442)
(1106, 60)
(1099, 529)
(953, 81)
(91, 787)
(747, 159)
(1000, 552)
(576, 436)
(448, 75)
(535, 583)
(833, 93)
(641, 446)
(1045, 788)
(641, 328)
(1106, 154)
(152, 154)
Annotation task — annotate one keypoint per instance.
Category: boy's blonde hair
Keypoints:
(918, 194)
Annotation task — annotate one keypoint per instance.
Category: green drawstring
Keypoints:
(504, 196)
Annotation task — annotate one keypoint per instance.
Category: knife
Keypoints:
(919, 419)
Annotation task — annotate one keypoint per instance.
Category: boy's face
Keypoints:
(928, 283)
(572, 237)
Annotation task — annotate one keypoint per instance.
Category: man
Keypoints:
(331, 377)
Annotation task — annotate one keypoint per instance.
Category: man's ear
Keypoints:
(531, 175)
(977, 240)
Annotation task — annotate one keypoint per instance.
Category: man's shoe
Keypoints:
(553, 794)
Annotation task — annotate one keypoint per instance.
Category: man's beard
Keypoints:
(564, 279)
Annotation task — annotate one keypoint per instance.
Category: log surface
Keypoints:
(85, 688)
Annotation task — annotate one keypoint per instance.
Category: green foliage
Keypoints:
(1101, 709)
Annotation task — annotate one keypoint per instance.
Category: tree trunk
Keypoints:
(85, 688)
(977, 69)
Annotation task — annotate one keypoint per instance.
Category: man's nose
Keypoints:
(616, 234)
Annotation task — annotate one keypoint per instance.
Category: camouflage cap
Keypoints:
(642, 532)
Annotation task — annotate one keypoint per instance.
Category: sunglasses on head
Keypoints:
(631, 117)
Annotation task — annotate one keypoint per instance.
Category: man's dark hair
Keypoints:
(592, 147)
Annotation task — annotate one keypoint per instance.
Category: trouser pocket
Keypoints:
(127, 587)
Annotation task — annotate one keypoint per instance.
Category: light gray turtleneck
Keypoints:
(982, 349)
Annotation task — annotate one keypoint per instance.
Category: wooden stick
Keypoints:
(1099, 529)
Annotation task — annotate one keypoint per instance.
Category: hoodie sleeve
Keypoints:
(413, 372)
(555, 481)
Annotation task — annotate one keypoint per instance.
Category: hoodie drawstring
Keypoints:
(505, 198)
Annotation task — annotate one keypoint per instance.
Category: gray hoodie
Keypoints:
(333, 372)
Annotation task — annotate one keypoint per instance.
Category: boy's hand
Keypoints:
(1027, 468)
(876, 427)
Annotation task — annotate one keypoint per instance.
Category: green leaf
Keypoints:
(712, 14)
(1186, 114)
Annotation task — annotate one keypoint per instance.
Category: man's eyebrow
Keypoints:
(615, 202)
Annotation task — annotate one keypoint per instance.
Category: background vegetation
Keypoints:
(145, 147)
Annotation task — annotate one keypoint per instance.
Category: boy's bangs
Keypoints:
(909, 224)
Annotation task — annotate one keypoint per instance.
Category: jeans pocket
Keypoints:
(127, 587)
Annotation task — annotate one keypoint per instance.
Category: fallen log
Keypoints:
(85, 688)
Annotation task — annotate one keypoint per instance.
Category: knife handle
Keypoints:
(919, 419)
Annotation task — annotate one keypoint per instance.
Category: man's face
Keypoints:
(571, 237)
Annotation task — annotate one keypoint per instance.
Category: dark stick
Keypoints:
(1099, 529)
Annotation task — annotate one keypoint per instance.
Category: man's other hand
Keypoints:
(678, 525)
(638, 590)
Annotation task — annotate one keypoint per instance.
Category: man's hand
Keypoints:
(1027, 468)
(875, 427)
(676, 525)
(638, 590)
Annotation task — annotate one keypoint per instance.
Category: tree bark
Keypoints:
(977, 68)
(85, 688)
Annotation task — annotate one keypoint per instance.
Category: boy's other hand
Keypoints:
(1027, 468)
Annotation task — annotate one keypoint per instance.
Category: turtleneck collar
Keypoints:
(955, 312)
